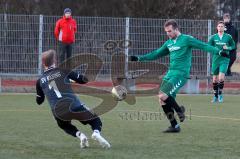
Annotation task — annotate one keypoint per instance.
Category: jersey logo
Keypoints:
(175, 87)
(50, 77)
(53, 76)
(43, 80)
(220, 43)
(174, 48)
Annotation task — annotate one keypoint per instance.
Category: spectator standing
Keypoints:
(64, 32)
(230, 29)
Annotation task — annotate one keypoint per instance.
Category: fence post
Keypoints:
(129, 82)
(208, 55)
(5, 27)
(40, 44)
(126, 45)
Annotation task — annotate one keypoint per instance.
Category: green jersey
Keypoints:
(219, 42)
(180, 51)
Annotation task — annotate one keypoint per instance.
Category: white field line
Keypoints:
(9, 94)
(127, 111)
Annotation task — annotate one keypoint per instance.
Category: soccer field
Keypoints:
(134, 131)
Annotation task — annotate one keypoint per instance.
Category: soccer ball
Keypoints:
(119, 92)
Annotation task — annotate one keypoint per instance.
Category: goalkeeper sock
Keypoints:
(215, 89)
(170, 115)
(172, 103)
(220, 87)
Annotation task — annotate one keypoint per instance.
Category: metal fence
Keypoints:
(24, 37)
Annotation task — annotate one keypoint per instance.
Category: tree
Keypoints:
(228, 6)
(191, 9)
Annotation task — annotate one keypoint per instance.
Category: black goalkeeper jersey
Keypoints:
(55, 85)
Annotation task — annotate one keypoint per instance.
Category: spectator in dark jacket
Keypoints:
(64, 32)
(230, 29)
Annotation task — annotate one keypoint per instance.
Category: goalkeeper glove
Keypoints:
(134, 58)
(223, 54)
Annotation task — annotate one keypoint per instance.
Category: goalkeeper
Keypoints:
(220, 64)
(179, 48)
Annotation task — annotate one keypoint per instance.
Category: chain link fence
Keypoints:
(24, 37)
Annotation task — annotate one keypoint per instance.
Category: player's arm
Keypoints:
(40, 95)
(197, 44)
(75, 26)
(231, 44)
(236, 36)
(81, 79)
(57, 29)
(211, 41)
(162, 51)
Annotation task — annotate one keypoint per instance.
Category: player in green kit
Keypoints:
(220, 64)
(179, 48)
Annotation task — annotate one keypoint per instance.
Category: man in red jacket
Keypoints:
(64, 32)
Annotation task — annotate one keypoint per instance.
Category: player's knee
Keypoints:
(62, 125)
(221, 80)
(162, 97)
(162, 102)
(215, 80)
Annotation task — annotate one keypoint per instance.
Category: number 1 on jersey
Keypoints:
(53, 85)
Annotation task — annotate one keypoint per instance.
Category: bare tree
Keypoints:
(193, 9)
(228, 6)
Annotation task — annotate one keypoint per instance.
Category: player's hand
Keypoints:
(84, 79)
(133, 58)
(224, 54)
(225, 47)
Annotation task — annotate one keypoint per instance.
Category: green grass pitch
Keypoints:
(211, 131)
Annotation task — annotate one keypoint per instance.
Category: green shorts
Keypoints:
(171, 85)
(219, 67)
